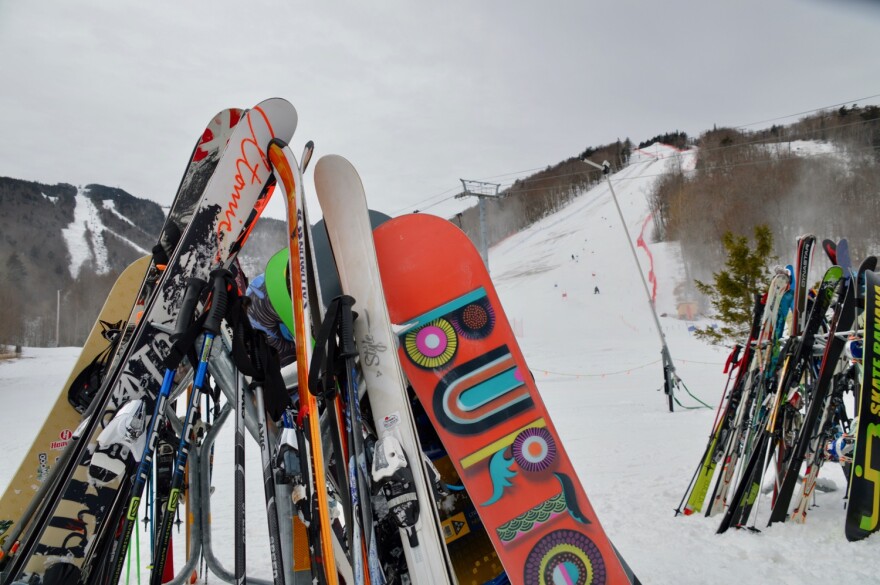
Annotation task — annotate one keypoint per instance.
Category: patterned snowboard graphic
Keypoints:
(462, 359)
(863, 511)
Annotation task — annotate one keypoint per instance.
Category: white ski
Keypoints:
(343, 202)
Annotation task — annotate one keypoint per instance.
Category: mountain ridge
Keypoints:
(65, 245)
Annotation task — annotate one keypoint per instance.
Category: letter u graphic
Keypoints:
(479, 394)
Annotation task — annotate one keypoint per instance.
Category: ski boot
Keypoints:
(123, 437)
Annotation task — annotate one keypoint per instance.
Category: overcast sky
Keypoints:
(415, 94)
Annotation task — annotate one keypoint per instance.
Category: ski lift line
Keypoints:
(679, 151)
(514, 173)
(426, 199)
(762, 141)
(809, 111)
(429, 198)
(503, 185)
(435, 204)
(683, 171)
(660, 157)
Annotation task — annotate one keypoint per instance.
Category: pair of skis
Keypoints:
(210, 239)
(307, 313)
(792, 371)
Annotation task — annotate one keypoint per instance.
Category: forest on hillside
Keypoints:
(35, 262)
(527, 200)
(747, 178)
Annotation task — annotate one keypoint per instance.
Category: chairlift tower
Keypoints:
(482, 191)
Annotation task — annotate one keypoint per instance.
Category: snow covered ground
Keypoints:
(597, 361)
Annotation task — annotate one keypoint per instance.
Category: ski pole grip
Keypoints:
(194, 286)
(346, 326)
(860, 292)
(219, 300)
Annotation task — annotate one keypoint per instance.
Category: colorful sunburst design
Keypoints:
(475, 320)
(432, 346)
(534, 449)
(565, 557)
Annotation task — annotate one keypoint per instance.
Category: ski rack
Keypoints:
(224, 373)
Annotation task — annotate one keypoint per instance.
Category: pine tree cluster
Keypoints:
(731, 292)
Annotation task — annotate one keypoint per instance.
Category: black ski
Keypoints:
(841, 321)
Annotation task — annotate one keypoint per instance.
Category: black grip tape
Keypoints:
(194, 287)
(346, 327)
(219, 300)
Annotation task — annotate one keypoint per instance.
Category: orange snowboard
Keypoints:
(464, 364)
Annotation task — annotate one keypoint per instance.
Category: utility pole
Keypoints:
(668, 367)
(58, 319)
(482, 191)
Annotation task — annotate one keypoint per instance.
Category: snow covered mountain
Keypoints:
(94, 228)
(76, 240)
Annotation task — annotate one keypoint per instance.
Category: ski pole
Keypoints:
(269, 488)
(120, 545)
(359, 489)
(239, 568)
(706, 452)
(343, 320)
(212, 328)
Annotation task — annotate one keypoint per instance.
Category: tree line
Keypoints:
(744, 179)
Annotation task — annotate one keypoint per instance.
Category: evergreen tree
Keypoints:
(732, 291)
